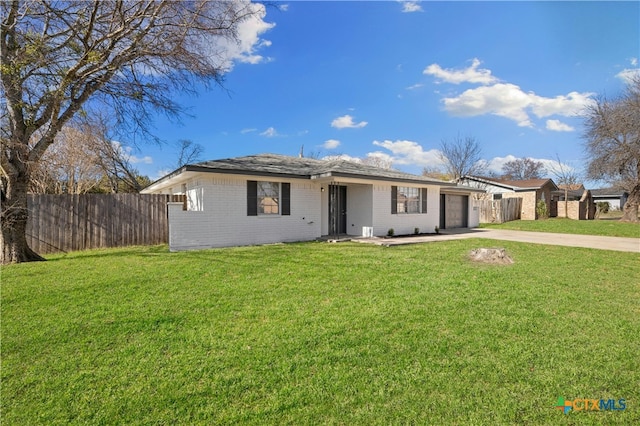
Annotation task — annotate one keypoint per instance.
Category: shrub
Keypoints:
(603, 206)
(416, 231)
(541, 209)
(390, 232)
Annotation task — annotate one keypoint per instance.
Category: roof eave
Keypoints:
(247, 172)
(335, 174)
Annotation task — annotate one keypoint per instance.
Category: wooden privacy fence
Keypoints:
(500, 211)
(79, 222)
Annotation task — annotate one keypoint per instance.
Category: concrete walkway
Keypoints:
(571, 240)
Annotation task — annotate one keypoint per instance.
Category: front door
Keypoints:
(337, 209)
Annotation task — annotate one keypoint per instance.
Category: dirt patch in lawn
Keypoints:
(494, 256)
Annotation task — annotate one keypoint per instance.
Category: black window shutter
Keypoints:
(286, 199)
(252, 198)
(424, 200)
(394, 200)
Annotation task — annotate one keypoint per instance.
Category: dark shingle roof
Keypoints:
(607, 192)
(527, 184)
(308, 168)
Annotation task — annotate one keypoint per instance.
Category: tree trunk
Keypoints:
(630, 210)
(14, 215)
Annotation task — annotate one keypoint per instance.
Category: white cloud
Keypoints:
(344, 157)
(144, 160)
(126, 152)
(559, 126)
(346, 121)
(510, 101)
(415, 86)
(408, 152)
(496, 163)
(381, 155)
(331, 144)
(468, 75)
(249, 38)
(505, 100)
(245, 131)
(629, 74)
(411, 6)
(284, 7)
(570, 105)
(160, 173)
(271, 132)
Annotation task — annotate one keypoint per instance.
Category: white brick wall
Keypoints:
(473, 219)
(224, 221)
(359, 208)
(403, 223)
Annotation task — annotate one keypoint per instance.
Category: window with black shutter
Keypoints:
(394, 199)
(424, 200)
(268, 198)
(286, 199)
(252, 198)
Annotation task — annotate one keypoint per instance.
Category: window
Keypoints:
(405, 199)
(195, 199)
(268, 198)
(408, 200)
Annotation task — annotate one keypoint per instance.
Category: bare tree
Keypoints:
(377, 161)
(188, 152)
(435, 173)
(565, 177)
(522, 169)
(612, 141)
(462, 157)
(82, 159)
(64, 58)
(115, 162)
(69, 166)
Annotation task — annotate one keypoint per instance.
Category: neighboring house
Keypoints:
(615, 197)
(270, 198)
(530, 190)
(573, 202)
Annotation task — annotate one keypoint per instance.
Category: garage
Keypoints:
(454, 211)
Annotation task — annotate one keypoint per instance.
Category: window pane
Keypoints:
(408, 200)
(268, 197)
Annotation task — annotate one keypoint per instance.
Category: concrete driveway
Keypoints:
(570, 240)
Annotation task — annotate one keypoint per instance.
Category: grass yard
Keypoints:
(318, 333)
(612, 228)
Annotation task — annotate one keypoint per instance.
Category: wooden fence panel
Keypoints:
(500, 211)
(62, 223)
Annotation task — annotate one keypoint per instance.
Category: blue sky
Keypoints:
(393, 79)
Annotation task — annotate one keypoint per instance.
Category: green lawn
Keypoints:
(612, 228)
(320, 333)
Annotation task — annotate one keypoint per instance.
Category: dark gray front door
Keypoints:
(337, 209)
